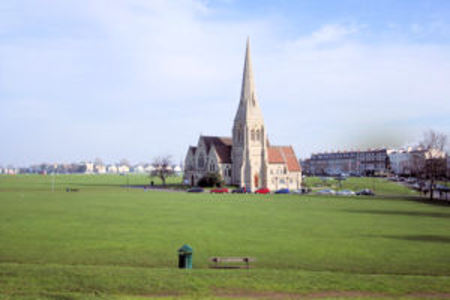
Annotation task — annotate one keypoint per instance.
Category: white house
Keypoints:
(123, 169)
(112, 169)
(100, 169)
(138, 169)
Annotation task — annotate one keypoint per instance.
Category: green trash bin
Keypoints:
(185, 257)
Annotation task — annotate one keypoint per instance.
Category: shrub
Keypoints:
(210, 180)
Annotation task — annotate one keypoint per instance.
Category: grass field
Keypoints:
(111, 242)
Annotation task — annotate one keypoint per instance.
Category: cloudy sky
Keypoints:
(135, 79)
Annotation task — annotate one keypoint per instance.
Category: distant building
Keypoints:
(138, 169)
(369, 162)
(374, 162)
(401, 162)
(405, 161)
(123, 169)
(9, 171)
(112, 169)
(88, 167)
(177, 170)
(149, 168)
(100, 169)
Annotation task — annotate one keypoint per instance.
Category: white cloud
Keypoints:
(327, 34)
(340, 93)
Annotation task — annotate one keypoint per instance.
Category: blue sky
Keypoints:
(137, 79)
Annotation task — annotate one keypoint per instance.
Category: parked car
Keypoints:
(301, 191)
(411, 180)
(195, 190)
(262, 191)
(326, 192)
(241, 190)
(443, 188)
(346, 193)
(416, 186)
(282, 191)
(219, 190)
(298, 192)
(365, 192)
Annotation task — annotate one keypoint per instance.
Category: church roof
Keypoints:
(222, 146)
(284, 155)
(193, 149)
(275, 156)
(224, 153)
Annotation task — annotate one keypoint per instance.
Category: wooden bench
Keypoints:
(219, 262)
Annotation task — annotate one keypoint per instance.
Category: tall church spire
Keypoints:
(249, 153)
(248, 105)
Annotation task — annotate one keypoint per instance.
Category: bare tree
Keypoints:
(162, 168)
(430, 162)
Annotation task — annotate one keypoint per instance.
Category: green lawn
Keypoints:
(107, 241)
(380, 186)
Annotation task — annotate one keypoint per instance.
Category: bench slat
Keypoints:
(232, 259)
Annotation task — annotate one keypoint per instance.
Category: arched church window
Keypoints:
(201, 161)
(253, 100)
(227, 172)
(257, 135)
(239, 135)
(253, 134)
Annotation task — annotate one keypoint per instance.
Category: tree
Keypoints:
(430, 162)
(162, 168)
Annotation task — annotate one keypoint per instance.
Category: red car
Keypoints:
(262, 191)
(219, 190)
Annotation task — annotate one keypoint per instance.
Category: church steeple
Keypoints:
(249, 151)
(248, 105)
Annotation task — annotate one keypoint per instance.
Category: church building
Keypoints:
(245, 159)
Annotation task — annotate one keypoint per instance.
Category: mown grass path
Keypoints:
(108, 241)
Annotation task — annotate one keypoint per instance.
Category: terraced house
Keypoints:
(246, 158)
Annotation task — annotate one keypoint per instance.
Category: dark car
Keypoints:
(241, 190)
(262, 191)
(365, 192)
(195, 190)
(219, 191)
(282, 191)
